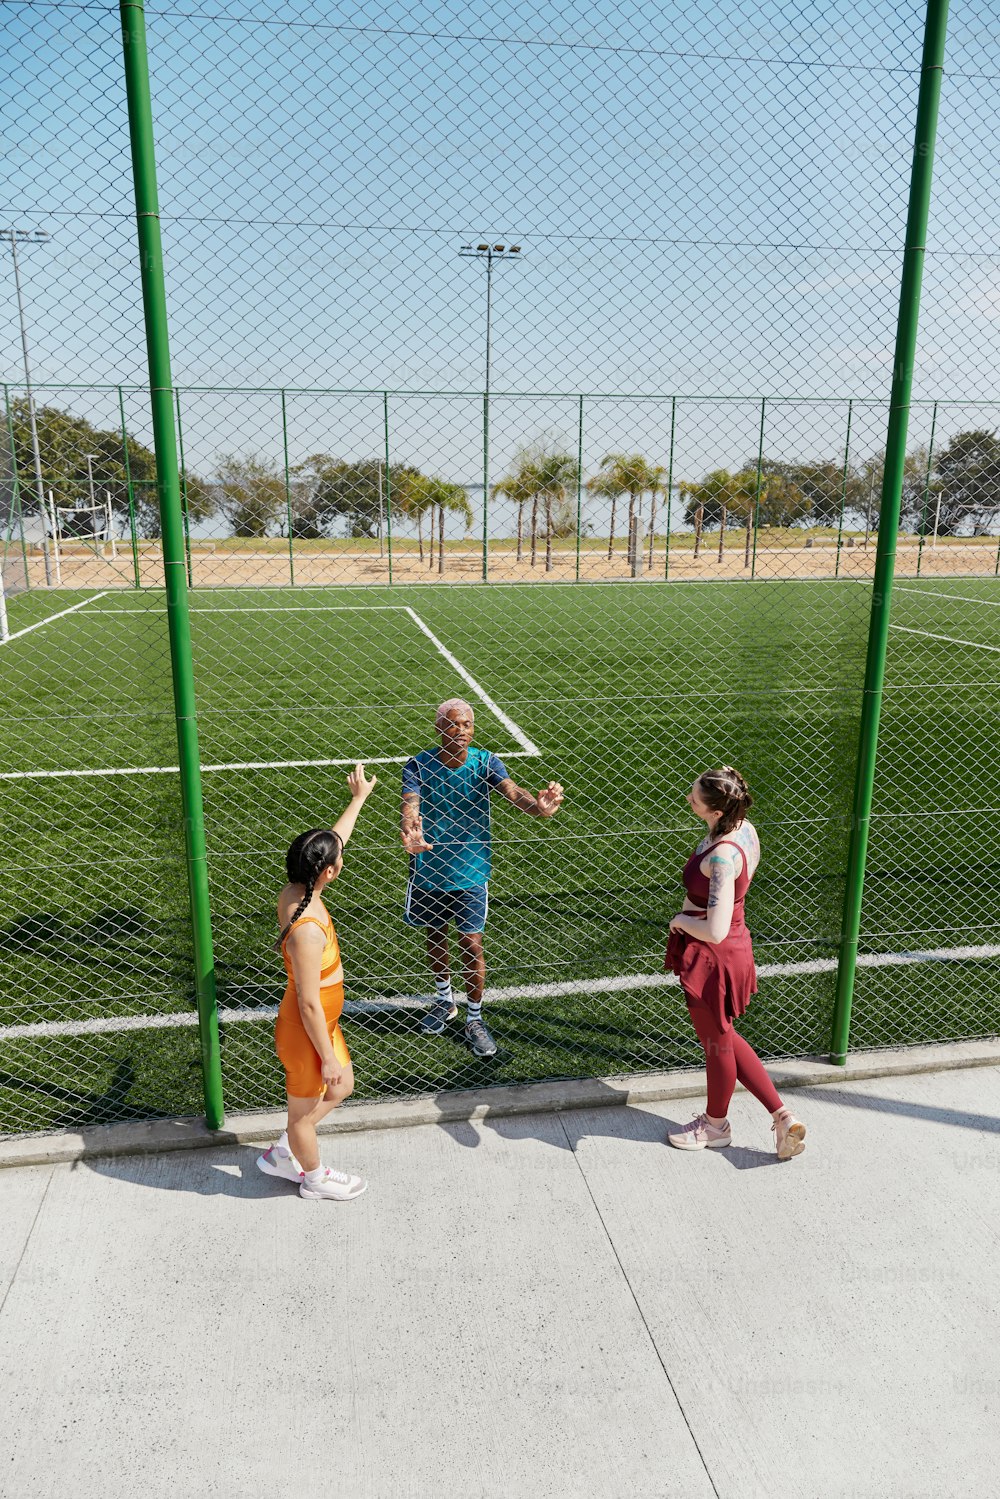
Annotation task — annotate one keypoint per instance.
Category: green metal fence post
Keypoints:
(927, 489)
(928, 101)
(129, 491)
(843, 489)
(579, 481)
(184, 493)
(288, 492)
(756, 501)
(388, 481)
(670, 483)
(140, 117)
(16, 487)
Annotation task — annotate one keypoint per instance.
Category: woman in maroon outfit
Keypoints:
(711, 953)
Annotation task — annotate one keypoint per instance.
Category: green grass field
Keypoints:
(626, 691)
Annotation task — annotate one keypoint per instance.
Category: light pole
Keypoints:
(488, 253)
(31, 237)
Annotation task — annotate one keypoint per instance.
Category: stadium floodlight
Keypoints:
(489, 253)
(15, 237)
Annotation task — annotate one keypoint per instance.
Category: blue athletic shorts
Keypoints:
(436, 908)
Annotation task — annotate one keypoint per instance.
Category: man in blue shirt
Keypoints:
(446, 832)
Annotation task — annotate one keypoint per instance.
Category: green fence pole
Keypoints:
(16, 496)
(154, 300)
(288, 492)
(843, 489)
(927, 489)
(579, 481)
(670, 483)
(184, 492)
(756, 501)
(388, 481)
(129, 491)
(892, 492)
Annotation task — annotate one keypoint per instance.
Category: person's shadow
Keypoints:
(228, 1171)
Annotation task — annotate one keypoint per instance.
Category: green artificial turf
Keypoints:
(626, 690)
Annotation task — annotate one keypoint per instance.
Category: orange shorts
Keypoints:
(297, 1054)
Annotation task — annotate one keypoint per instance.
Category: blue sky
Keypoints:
(707, 204)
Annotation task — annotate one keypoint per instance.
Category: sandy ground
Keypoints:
(269, 569)
(552, 1306)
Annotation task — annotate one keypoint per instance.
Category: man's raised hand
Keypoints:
(550, 800)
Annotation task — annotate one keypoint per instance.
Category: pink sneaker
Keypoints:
(700, 1135)
(789, 1137)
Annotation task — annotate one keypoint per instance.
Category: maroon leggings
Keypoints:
(728, 1059)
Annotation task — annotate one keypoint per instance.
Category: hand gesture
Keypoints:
(413, 838)
(358, 783)
(550, 800)
(332, 1072)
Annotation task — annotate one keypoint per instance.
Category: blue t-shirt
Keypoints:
(455, 807)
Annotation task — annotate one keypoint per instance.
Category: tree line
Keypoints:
(958, 491)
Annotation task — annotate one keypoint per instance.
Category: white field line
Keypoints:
(527, 748)
(951, 639)
(273, 609)
(936, 593)
(61, 615)
(470, 681)
(623, 984)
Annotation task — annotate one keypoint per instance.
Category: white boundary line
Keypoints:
(271, 609)
(527, 750)
(624, 983)
(936, 593)
(61, 615)
(470, 681)
(951, 639)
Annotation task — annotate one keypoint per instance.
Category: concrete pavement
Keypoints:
(549, 1306)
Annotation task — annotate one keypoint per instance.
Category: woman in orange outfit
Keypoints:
(308, 1037)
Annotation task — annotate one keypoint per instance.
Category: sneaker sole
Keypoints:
(326, 1197)
(794, 1143)
(708, 1145)
(483, 1056)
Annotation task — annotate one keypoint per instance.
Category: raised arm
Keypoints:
(411, 828)
(718, 918)
(545, 804)
(361, 788)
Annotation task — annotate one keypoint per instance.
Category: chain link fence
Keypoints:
(540, 358)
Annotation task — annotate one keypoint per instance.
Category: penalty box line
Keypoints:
(527, 749)
(624, 983)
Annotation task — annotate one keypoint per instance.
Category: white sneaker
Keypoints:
(700, 1135)
(789, 1137)
(333, 1186)
(275, 1162)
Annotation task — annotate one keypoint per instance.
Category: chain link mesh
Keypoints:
(538, 356)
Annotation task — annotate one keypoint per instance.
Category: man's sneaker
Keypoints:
(700, 1135)
(437, 1017)
(789, 1137)
(275, 1162)
(478, 1040)
(333, 1186)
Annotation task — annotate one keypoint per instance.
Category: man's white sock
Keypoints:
(443, 987)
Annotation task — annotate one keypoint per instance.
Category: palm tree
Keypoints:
(625, 473)
(556, 474)
(518, 487)
(443, 495)
(414, 499)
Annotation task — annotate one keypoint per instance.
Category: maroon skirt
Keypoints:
(719, 974)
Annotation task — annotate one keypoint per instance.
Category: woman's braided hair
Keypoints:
(725, 791)
(305, 861)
